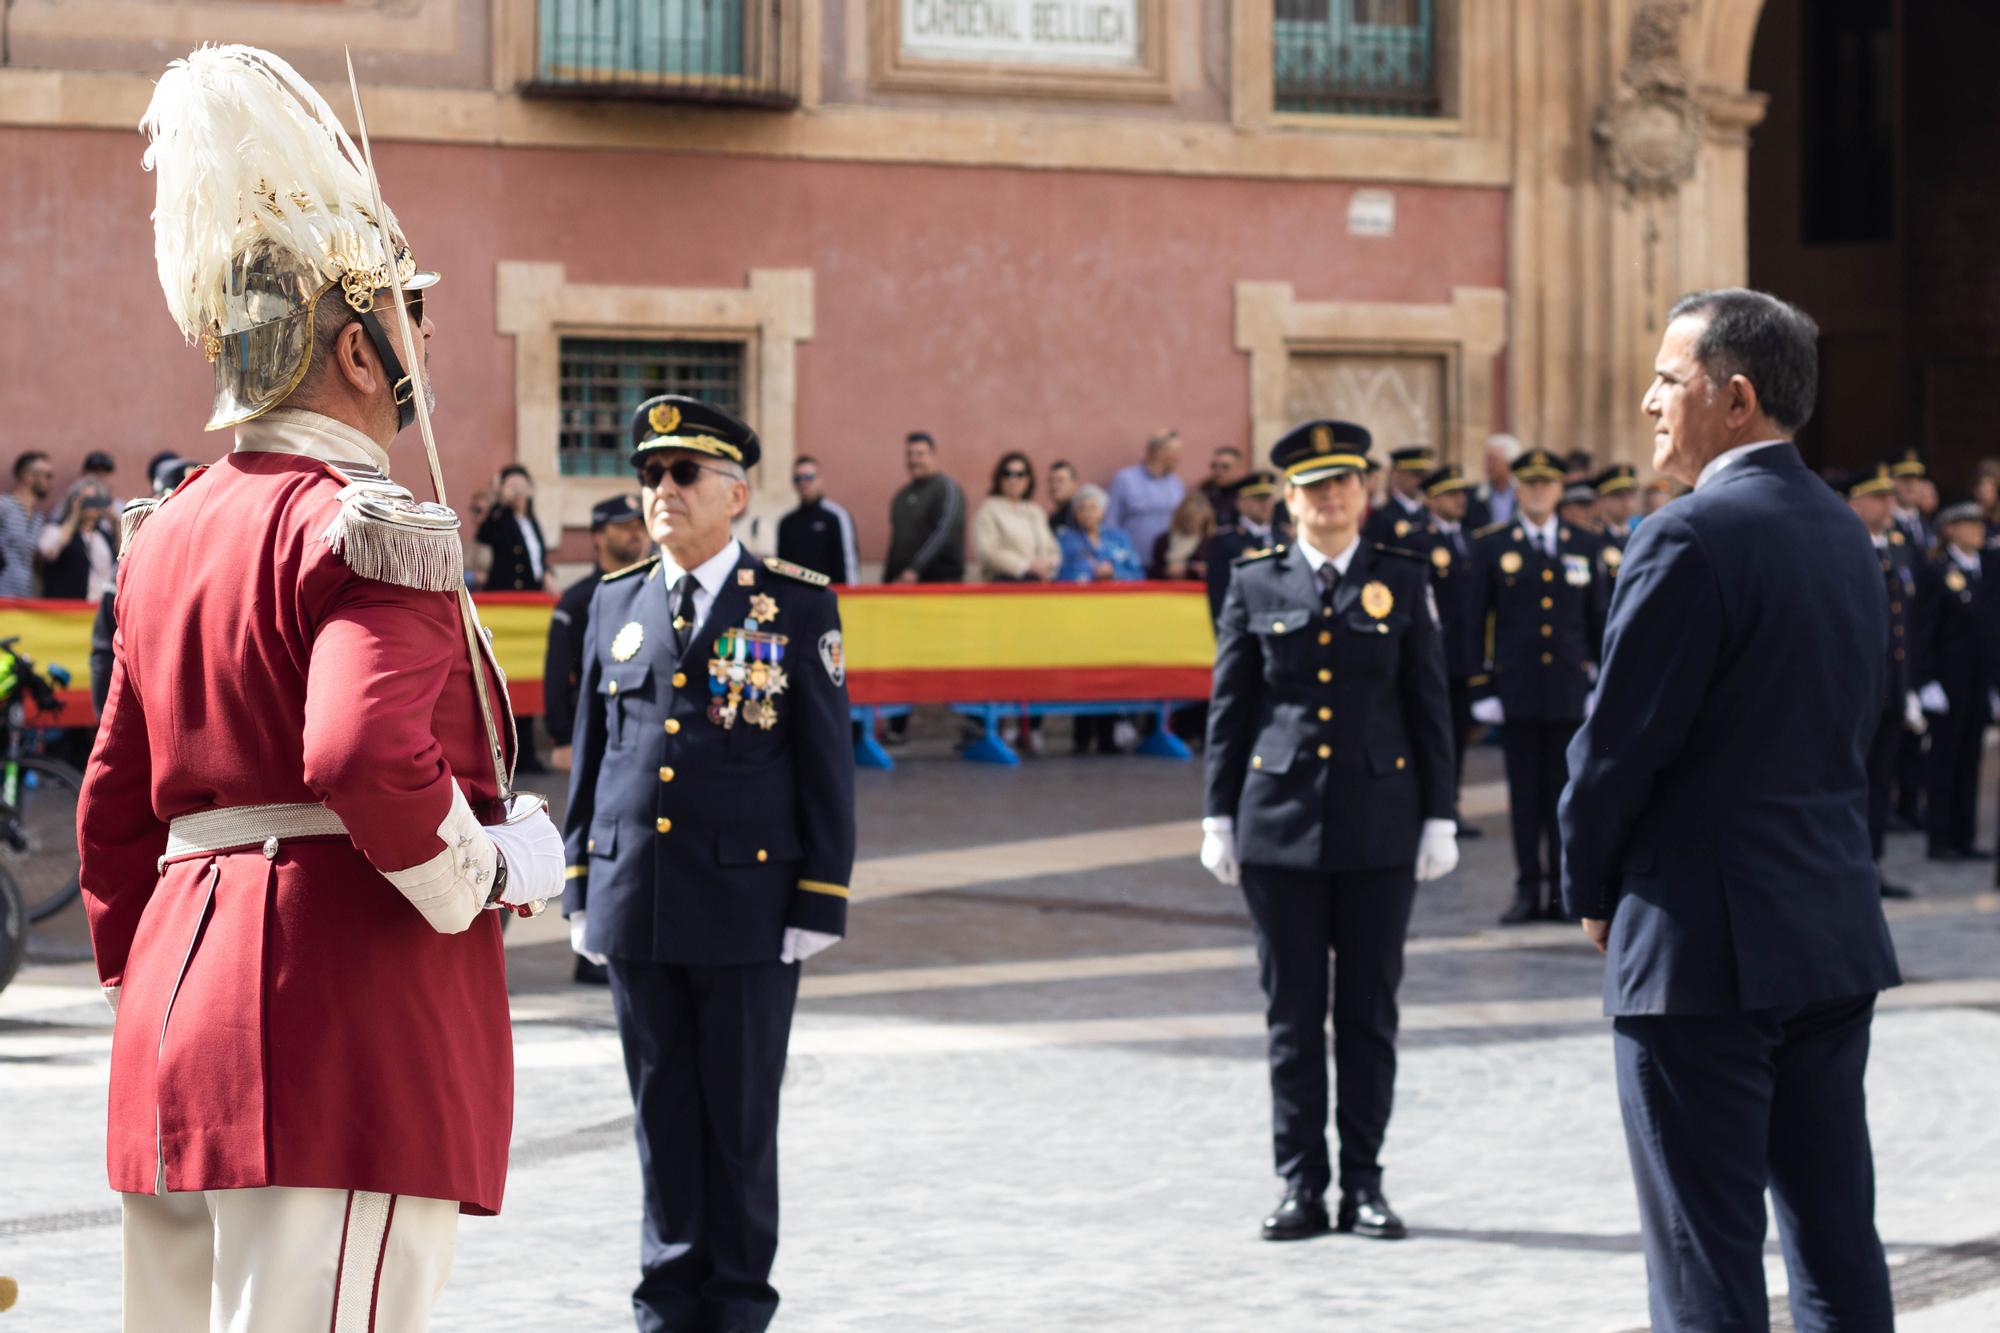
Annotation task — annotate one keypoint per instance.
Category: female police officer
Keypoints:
(1330, 782)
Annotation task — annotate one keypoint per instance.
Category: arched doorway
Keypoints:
(1873, 200)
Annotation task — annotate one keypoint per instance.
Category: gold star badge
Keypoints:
(763, 608)
(626, 645)
(1441, 557)
(665, 419)
(1510, 562)
(1954, 580)
(1377, 600)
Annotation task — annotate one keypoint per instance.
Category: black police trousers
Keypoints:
(1884, 755)
(1716, 1109)
(1537, 769)
(1362, 916)
(1951, 786)
(704, 1054)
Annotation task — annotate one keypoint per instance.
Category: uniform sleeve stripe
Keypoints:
(831, 890)
(576, 872)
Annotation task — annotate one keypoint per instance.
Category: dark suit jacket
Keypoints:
(1717, 810)
(511, 570)
(1389, 524)
(688, 841)
(1329, 736)
(562, 661)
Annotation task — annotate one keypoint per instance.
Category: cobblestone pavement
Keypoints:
(1029, 1093)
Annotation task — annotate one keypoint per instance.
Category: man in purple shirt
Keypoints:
(1145, 495)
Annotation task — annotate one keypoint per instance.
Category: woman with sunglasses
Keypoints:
(1011, 540)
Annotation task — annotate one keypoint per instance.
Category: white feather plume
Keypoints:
(250, 159)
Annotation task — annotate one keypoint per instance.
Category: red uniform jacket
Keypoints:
(290, 1021)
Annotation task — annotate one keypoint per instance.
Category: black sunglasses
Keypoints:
(1013, 472)
(805, 476)
(685, 472)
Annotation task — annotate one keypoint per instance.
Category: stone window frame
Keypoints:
(535, 303)
(1469, 334)
(1151, 80)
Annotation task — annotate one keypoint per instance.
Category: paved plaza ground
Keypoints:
(1029, 1093)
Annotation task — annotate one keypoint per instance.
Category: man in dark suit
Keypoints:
(1252, 498)
(710, 837)
(1329, 785)
(1401, 517)
(1716, 840)
(1944, 656)
(1540, 584)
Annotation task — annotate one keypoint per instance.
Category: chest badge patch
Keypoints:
(833, 657)
(1613, 557)
(1954, 580)
(625, 646)
(1510, 562)
(745, 678)
(1441, 558)
(1576, 571)
(1377, 600)
(763, 608)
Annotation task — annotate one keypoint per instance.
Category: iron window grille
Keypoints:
(604, 379)
(742, 52)
(1356, 57)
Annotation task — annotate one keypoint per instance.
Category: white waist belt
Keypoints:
(234, 828)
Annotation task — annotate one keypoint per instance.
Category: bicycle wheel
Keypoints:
(13, 930)
(38, 834)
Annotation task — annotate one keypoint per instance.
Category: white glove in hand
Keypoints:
(801, 944)
(576, 942)
(1437, 849)
(1933, 699)
(533, 846)
(111, 998)
(1218, 848)
(1913, 714)
(1487, 712)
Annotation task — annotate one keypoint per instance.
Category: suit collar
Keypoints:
(1748, 459)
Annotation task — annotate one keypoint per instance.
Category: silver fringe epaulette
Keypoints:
(131, 516)
(383, 532)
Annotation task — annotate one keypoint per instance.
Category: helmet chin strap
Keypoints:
(402, 387)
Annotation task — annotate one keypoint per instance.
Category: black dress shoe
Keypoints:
(1523, 910)
(1896, 891)
(1975, 854)
(1299, 1215)
(1367, 1213)
(591, 974)
(1466, 831)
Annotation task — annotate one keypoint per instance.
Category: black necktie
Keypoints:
(1329, 579)
(684, 616)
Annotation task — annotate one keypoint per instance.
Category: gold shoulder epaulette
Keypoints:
(812, 578)
(1400, 553)
(630, 570)
(1261, 553)
(1489, 530)
(385, 533)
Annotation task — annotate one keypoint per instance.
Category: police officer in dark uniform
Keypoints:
(1253, 496)
(1329, 791)
(1448, 547)
(710, 838)
(1944, 655)
(1402, 517)
(1543, 600)
(1617, 490)
(1911, 530)
(1870, 494)
(1912, 480)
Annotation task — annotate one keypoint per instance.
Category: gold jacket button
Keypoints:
(1548, 576)
(1325, 637)
(611, 687)
(1325, 675)
(590, 846)
(1256, 761)
(1277, 627)
(666, 775)
(1325, 752)
(664, 825)
(1399, 761)
(1548, 603)
(1381, 628)
(763, 855)
(673, 726)
(1326, 715)
(1548, 658)
(1548, 631)
(680, 679)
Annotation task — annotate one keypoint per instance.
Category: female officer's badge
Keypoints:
(1377, 600)
(625, 646)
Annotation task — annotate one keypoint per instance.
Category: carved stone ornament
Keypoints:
(1652, 130)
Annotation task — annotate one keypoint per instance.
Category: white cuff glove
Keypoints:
(533, 846)
(1218, 848)
(1437, 849)
(801, 944)
(1933, 699)
(576, 942)
(1487, 712)
(111, 998)
(1913, 714)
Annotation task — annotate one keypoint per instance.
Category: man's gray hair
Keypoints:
(1508, 445)
(1771, 343)
(1090, 491)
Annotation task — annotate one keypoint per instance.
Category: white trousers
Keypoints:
(283, 1260)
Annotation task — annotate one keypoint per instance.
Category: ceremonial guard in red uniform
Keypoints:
(297, 805)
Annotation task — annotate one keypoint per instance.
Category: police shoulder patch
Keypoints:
(630, 570)
(787, 569)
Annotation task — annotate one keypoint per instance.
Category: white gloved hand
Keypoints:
(533, 846)
(576, 942)
(1933, 699)
(1993, 702)
(1488, 712)
(1913, 714)
(1218, 848)
(111, 998)
(1437, 849)
(801, 944)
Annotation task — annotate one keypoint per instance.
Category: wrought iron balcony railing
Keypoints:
(737, 52)
(1356, 57)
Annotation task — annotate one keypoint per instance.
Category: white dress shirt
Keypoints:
(1316, 557)
(1730, 456)
(1543, 537)
(709, 577)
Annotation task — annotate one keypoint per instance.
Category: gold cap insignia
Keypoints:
(1377, 600)
(1510, 562)
(665, 419)
(1322, 440)
(625, 646)
(1441, 557)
